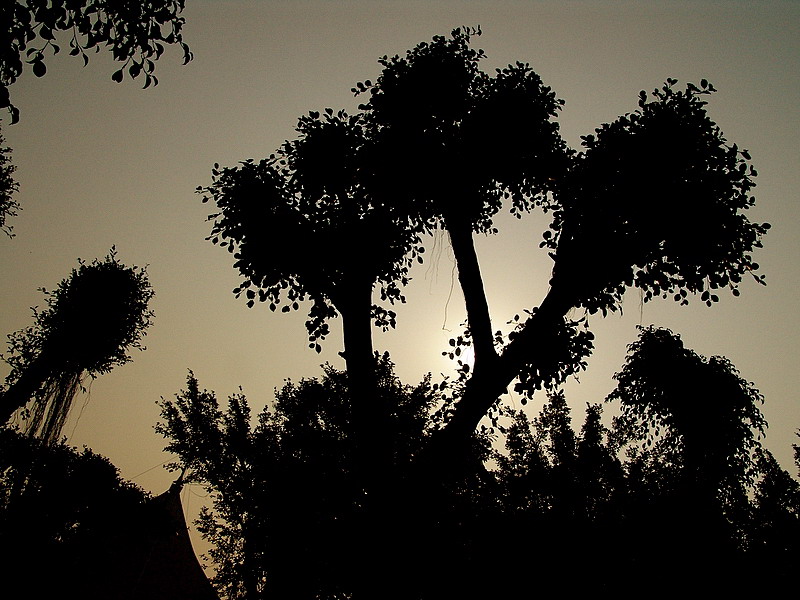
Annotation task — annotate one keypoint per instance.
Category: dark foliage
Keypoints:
(135, 32)
(290, 512)
(476, 138)
(8, 187)
(655, 200)
(707, 417)
(777, 516)
(303, 225)
(62, 511)
(662, 193)
(654, 501)
(92, 320)
(605, 509)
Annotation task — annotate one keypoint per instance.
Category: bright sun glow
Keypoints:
(468, 356)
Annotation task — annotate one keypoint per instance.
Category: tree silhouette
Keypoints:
(633, 503)
(287, 497)
(777, 521)
(135, 32)
(689, 236)
(655, 200)
(308, 197)
(566, 492)
(696, 427)
(286, 521)
(8, 187)
(437, 106)
(775, 531)
(701, 408)
(92, 319)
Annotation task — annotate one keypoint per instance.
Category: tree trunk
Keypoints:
(355, 304)
(373, 444)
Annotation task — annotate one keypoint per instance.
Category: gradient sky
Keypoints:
(102, 164)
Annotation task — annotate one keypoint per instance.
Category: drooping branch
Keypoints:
(303, 225)
(23, 389)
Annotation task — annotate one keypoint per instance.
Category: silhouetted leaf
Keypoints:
(39, 69)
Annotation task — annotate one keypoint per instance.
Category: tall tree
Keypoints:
(91, 321)
(689, 236)
(476, 139)
(303, 225)
(655, 200)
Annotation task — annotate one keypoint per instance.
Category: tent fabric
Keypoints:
(151, 558)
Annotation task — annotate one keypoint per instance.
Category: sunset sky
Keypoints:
(102, 164)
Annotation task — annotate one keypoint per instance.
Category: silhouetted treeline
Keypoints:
(542, 508)
(71, 528)
(62, 513)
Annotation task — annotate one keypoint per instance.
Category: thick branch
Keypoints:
(469, 276)
(486, 386)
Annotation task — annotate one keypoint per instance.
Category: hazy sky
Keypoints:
(102, 164)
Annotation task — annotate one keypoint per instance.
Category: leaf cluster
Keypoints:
(570, 343)
(656, 201)
(466, 140)
(91, 320)
(303, 225)
(701, 408)
(284, 492)
(135, 32)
